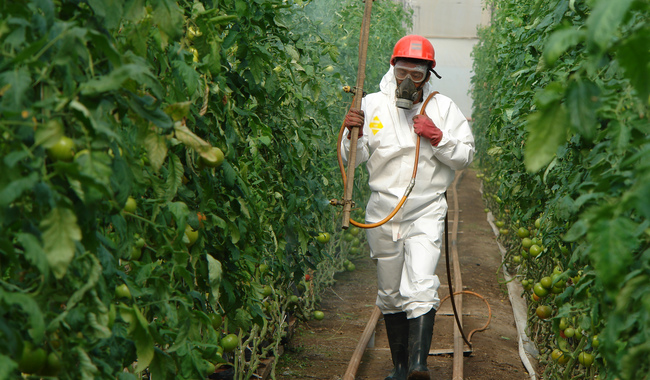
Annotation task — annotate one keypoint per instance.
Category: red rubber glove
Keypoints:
(354, 118)
(424, 126)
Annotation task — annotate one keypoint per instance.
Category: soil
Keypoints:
(322, 349)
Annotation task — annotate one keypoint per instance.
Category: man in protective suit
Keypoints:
(407, 248)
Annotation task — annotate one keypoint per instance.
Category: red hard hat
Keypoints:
(416, 47)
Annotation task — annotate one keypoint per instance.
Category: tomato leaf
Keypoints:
(559, 42)
(16, 82)
(16, 188)
(189, 74)
(110, 11)
(35, 317)
(214, 277)
(175, 177)
(169, 18)
(156, 147)
(548, 130)
(234, 233)
(181, 336)
(634, 56)
(48, 134)
(144, 343)
(178, 111)
(60, 233)
(577, 230)
(187, 137)
(7, 367)
(614, 242)
(34, 252)
(115, 79)
(146, 107)
(604, 20)
(180, 211)
(86, 366)
(582, 99)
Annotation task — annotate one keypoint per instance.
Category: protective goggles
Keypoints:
(417, 72)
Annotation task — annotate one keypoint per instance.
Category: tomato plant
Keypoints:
(175, 113)
(576, 188)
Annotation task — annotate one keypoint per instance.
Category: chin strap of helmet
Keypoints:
(409, 188)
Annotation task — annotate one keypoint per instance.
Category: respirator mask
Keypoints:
(410, 74)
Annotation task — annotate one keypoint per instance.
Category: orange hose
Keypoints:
(415, 171)
(469, 337)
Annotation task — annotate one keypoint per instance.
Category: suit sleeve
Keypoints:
(456, 149)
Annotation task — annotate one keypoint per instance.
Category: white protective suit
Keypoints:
(407, 248)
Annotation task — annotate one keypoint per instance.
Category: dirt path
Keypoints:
(322, 349)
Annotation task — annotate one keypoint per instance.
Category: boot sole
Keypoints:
(419, 375)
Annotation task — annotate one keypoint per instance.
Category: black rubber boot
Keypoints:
(420, 334)
(397, 330)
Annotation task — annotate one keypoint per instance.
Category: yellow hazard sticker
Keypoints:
(376, 125)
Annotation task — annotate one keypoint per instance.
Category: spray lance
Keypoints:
(356, 103)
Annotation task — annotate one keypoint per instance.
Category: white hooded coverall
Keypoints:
(407, 248)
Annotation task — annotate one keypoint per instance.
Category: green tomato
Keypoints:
(578, 333)
(139, 242)
(63, 150)
(215, 159)
(136, 253)
(535, 250)
(323, 237)
(192, 235)
(319, 315)
(131, 205)
(122, 291)
(543, 311)
(595, 342)
(539, 290)
(229, 342)
(559, 356)
(216, 320)
(206, 368)
(32, 359)
(523, 232)
(586, 359)
(569, 332)
(564, 323)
